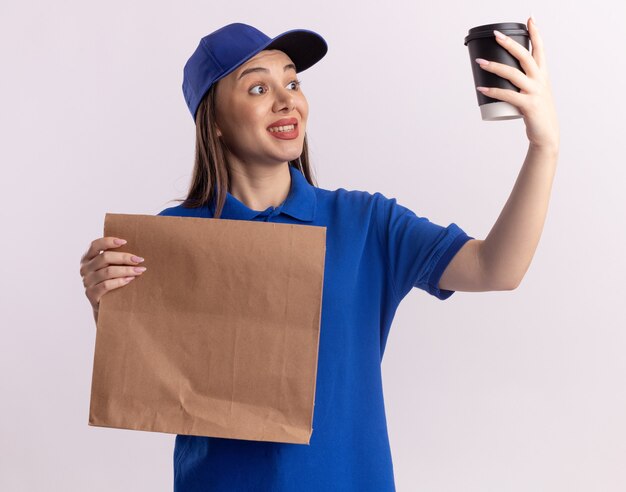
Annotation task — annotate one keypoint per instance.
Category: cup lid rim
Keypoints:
(486, 30)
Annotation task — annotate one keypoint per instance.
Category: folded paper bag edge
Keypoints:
(289, 436)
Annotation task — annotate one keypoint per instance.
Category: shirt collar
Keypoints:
(300, 203)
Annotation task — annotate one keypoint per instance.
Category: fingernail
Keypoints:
(119, 241)
(482, 62)
(140, 269)
(499, 35)
(532, 18)
(137, 259)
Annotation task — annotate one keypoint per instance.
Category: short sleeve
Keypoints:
(417, 250)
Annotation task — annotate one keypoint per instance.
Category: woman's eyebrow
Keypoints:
(261, 69)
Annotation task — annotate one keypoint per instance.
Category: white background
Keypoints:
(499, 391)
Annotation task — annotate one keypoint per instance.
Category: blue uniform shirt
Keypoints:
(376, 252)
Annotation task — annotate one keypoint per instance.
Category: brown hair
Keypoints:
(210, 173)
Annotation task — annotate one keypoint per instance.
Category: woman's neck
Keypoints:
(260, 187)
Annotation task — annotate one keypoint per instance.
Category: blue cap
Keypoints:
(222, 51)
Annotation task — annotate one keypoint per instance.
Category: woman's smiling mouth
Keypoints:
(286, 132)
(286, 128)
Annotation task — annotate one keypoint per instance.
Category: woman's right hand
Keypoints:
(104, 270)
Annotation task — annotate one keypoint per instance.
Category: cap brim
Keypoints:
(304, 47)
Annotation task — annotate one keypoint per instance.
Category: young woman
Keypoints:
(252, 163)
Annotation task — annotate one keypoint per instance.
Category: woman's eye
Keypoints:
(297, 82)
(254, 87)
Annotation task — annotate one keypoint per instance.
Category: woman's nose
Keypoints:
(285, 98)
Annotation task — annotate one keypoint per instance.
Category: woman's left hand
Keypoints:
(535, 99)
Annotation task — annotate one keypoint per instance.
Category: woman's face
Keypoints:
(249, 101)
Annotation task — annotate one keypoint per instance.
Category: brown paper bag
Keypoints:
(219, 336)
